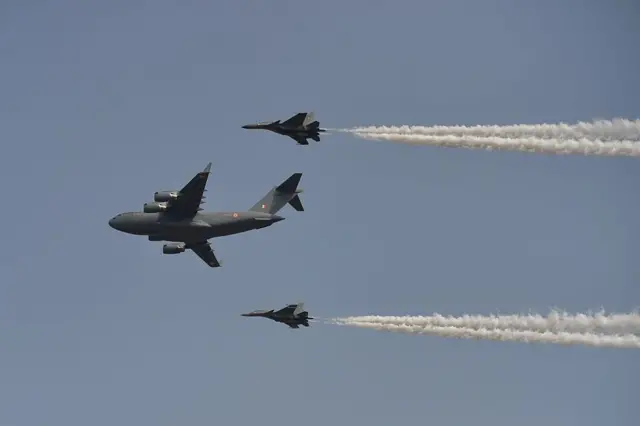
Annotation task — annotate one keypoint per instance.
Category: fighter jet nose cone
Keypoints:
(245, 126)
(112, 222)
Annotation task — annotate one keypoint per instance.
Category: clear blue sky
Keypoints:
(103, 103)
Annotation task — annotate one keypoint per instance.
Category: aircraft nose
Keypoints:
(114, 222)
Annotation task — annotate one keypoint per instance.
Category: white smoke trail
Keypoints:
(527, 336)
(628, 148)
(601, 130)
(556, 321)
(617, 137)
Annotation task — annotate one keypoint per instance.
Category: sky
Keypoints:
(104, 103)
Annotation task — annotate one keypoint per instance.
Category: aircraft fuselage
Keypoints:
(202, 226)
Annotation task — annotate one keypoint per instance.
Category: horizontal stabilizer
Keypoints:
(296, 203)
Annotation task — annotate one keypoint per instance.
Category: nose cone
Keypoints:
(112, 222)
(250, 126)
(116, 222)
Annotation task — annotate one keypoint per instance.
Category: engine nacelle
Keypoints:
(173, 248)
(154, 207)
(164, 196)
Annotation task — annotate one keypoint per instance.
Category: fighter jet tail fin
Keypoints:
(279, 196)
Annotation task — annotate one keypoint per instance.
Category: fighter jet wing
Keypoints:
(191, 196)
(300, 139)
(288, 310)
(295, 121)
(204, 252)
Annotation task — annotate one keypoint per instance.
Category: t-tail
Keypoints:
(279, 196)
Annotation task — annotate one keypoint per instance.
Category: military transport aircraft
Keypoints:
(176, 216)
(300, 127)
(291, 315)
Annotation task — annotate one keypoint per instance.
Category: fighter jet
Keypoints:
(176, 216)
(291, 315)
(300, 127)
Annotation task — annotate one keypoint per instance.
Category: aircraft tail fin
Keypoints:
(299, 308)
(279, 196)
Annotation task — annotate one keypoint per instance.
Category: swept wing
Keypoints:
(204, 252)
(190, 197)
(297, 120)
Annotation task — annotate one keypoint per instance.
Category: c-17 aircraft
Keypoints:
(300, 127)
(291, 315)
(176, 216)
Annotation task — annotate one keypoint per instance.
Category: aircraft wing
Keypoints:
(191, 196)
(288, 310)
(300, 139)
(204, 252)
(296, 121)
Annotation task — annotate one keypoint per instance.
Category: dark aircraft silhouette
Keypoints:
(300, 127)
(292, 315)
(177, 217)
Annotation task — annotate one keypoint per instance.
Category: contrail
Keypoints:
(617, 137)
(556, 321)
(600, 130)
(563, 338)
(559, 328)
(626, 148)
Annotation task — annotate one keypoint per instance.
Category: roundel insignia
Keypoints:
(264, 206)
(235, 215)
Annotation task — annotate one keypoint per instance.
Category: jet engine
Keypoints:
(164, 196)
(173, 248)
(154, 207)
